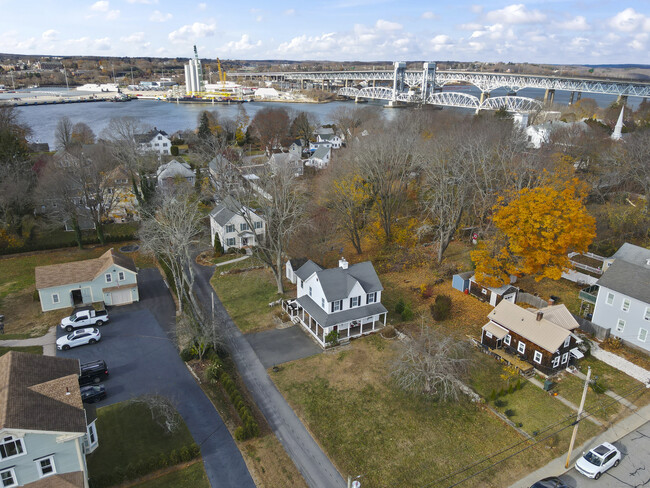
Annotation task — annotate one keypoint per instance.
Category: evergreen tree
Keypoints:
(204, 127)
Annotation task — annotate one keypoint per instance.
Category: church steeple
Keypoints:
(617, 134)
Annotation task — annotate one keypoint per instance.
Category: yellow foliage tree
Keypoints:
(537, 229)
(350, 199)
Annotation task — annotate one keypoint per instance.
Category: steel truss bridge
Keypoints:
(411, 86)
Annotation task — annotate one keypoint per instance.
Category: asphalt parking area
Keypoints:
(279, 346)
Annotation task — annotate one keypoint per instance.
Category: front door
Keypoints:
(244, 241)
(77, 299)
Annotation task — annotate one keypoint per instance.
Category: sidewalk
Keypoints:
(615, 432)
(622, 364)
(48, 341)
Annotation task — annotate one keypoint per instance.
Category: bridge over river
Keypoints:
(400, 85)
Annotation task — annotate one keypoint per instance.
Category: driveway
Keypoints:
(279, 346)
(634, 470)
(142, 359)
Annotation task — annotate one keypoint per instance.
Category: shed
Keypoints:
(460, 281)
(494, 295)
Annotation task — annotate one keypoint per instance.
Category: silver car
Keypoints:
(78, 337)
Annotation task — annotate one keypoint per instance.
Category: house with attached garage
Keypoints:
(45, 429)
(544, 338)
(345, 300)
(236, 225)
(292, 266)
(111, 278)
(622, 296)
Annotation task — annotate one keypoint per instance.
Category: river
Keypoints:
(172, 117)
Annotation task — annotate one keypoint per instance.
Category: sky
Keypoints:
(542, 31)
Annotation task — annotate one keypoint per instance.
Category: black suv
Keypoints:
(93, 372)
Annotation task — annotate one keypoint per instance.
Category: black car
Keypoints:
(93, 372)
(93, 393)
(551, 482)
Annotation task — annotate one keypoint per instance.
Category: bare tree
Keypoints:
(82, 134)
(271, 127)
(63, 133)
(351, 120)
(432, 364)
(635, 156)
(162, 412)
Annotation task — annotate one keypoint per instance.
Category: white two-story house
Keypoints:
(623, 299)
(346, 300)
(45, 430)
(156, 141)
(232, 221)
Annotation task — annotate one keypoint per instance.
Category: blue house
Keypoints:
(111, 278)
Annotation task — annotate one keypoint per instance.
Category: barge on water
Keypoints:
(206, 100)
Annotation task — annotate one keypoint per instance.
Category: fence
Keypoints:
(599, 332)
(531, 300)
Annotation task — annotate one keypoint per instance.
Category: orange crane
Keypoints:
(222, 75)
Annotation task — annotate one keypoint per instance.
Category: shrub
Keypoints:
(511, 388)
(195, 450)
(332, 338)
(493, 396)
(509, 413)
(174, 457)
(240, 434)
(598, 387)
(519, 385)
(500, 403)
(188, 354)
(613, 342)
(35, 296)
(501, 393)
(218, 248)
(389, 332)
(399, 306)
(407, 313)
(174, 150)
(441, 308)
(185, 454)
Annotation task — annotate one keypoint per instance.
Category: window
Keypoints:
(484, 291)
(647, 313)
(567, 341)
(55, 298)
(537, 357)
(230, 241)
(354, 302)
(259, 225)
(610, 298)
(11, 446)
(302, 284)
(244, 226)
(91, 431)
(556, 361)
(121, 276)
(322, 303)
(230, 228)
(565, 357)
(164, 144)
(157, 145)
(310, 291)
(507, 339)
(160, 138)
(108, 277)
(620, 326)
(336, 305)
(8, 478)
(626, 305)
(643, 335)
(521, 347)
(488, 334)
(371, 297)
(46, 466)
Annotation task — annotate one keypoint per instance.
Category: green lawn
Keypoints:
(192, 476)
(29, 349)
(128, 435)
(246, 295)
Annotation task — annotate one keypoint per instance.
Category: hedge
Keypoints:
(250, 428)
(45, 246)
(141, 468)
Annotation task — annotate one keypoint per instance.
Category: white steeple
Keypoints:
(616, 135)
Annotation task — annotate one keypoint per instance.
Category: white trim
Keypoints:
(108, 277)
(488, 334)
(646, 316)
(565, 357)
(8, 439)
(556, 361)
(567, 341)
(56, 298)
(537, 357)
(610, 298)
(507, 340)
(645, 335)
(121, 276)
(521, 350)
(620, 325)
(39, 466)
(626, 301)
(13, 477)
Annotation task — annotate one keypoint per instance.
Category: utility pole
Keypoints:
(575, 428)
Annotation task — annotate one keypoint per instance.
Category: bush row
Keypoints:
(505, 391)
(47, 245)
(137, 469)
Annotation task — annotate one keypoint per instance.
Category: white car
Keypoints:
(78, 337)
(598, 460)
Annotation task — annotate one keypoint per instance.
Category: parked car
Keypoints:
(93, 372)
(84, 318)
(550, 482)
(598, 460)
(78, 337)
(93, 393)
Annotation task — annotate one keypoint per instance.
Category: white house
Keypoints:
(321, 157)
(623, 296)
(233, 229)
(174, 171)
(541, 133)
(286, 160)
(292, 266)
(313, 145)
(333, 139)
(157, 141)
(346, 300)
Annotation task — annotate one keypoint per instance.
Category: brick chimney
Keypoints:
(343, 263)
(540, 315)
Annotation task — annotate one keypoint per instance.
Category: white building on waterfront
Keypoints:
(194, 75)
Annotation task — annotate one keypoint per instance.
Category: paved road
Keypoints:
(277, 346)
(634, 470)
(143, 359)
(309, 458)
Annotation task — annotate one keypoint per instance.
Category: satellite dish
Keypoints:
(356, 484)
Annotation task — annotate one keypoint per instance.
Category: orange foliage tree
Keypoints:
(537, 228)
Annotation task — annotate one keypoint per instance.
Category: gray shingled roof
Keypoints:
(222, 215)
(321, 152)
(633, 254)
(40, 393)
(337, 283)
(307, 269)
(328, 320)
(630, 279)
(175, 168)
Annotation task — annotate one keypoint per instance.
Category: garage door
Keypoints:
(121, 297)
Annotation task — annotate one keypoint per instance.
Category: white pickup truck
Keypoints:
(84, 318)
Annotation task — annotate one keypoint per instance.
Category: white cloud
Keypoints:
(113, 14)
(192, 31)
(629, 20)
(385, 25)
(429, 15)
(243, 44)
(515, 14)
(477, 9)
(100, 6)
(440, 42)
(202, 6)
(50, 35)
(158, 16)
(290, 11)
(470, 26)
(579, 23)
(146, 2)
(135, 37)
(103, 44)
(639, 42)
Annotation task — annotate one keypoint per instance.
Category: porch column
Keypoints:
(385, 318)
(373, 322)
